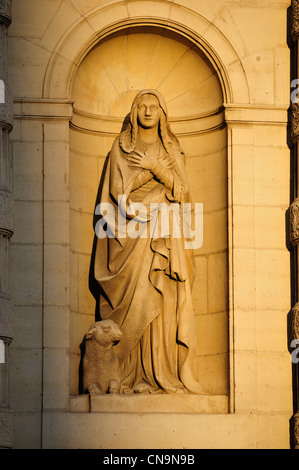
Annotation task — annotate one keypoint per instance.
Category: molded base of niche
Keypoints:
(160, 403)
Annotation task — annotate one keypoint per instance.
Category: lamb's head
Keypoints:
(105, 332)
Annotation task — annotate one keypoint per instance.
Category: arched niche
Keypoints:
(104, 85)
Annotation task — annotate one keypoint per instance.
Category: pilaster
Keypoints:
(294, 214)
(6, 231)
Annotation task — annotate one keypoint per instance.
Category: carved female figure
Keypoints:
(146, 280)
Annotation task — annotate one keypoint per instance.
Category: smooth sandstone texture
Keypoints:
(223, 67)
(143, 266)
(167, 55)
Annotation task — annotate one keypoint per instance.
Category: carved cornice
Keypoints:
(295, 321)
(294, 222)
(110, 126)
(5, 12)
(6, 110)
(6, 212)
(296, 431)
(256, 114)
(42, 109)
(295, 20)
(295, 121)
(6, 427)
(6, 319)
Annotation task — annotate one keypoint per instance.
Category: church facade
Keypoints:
(228, 70)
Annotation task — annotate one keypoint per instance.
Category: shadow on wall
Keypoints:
(292, 250)
(93, 284)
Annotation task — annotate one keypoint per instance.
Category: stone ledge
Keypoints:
(42, 109)
(111, 126)
(256, 114)
(160, 403)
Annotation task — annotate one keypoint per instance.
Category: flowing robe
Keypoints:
(146, 280)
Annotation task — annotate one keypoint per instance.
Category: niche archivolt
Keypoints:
(103, 90)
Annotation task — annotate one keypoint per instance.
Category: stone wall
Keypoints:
(6, 231)
(195, 105)
(233, 128)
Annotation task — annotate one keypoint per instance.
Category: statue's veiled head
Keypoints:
(151, 92)
(159, 115)
(148, 111)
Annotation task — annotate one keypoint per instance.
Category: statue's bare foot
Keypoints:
(94, 390)
(141, 388)
(113, 387)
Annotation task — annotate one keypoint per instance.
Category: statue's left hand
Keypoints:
(138, 160)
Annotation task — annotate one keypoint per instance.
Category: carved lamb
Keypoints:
(100, 364)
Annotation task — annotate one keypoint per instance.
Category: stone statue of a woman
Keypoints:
(146, 279)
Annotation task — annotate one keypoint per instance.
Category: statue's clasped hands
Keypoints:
(141, 161)
(148, 162)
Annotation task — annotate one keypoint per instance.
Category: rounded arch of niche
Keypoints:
(111, 74)
(96, 25)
